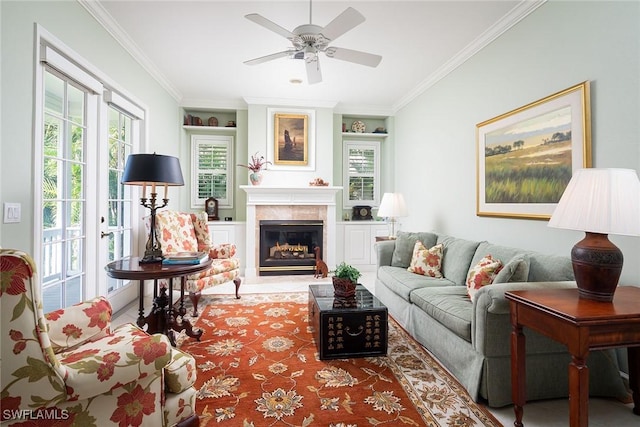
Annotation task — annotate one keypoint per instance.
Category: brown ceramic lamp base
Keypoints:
(597, 265)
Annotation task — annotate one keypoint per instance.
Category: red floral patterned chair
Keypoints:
(70, 368)
(180, 232)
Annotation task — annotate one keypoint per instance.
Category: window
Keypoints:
(211, 169)
(362, 173)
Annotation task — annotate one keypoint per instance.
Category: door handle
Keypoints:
(103, 234)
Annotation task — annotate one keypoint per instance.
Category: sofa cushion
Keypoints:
(402, 282)
(516, 270)
(456, 258)
(449, 305)
(542, 267)
(427, 262)
(482, 274)
(405, 242)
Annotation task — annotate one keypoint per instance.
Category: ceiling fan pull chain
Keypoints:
(310, 9)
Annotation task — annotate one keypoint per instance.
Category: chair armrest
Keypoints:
(491, 321)
(384, 252)
(222, 251)
(127, 355)
(78, 324)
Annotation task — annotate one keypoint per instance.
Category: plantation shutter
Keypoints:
(212, 161)
(362, 173)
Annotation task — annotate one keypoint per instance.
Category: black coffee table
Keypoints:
(345, 328)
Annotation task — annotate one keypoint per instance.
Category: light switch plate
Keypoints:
(11, 212)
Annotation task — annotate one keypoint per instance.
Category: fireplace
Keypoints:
(287, 246)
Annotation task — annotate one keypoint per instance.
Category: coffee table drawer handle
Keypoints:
(354, 334)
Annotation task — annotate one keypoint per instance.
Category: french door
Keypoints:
(85, 214)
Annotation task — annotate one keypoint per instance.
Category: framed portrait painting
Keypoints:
(291, 144)
(526, 157)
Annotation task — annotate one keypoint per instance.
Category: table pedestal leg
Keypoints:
(141, 320)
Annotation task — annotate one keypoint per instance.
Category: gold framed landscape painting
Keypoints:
(291, 139)
(526, 157)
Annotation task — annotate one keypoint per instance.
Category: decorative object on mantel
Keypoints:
(358, 126)
(318, 182)
(256, 165)
(345, 279)
(599, 202)
(231, 124)
(380, 130)
(392, 207)
(213, 121)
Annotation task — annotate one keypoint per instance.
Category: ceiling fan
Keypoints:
(309, 39)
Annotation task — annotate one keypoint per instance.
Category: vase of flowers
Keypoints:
(256, 165)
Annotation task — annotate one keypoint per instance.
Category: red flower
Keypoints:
(72, 331)
(105, 371)
(133, 406)
(20, 345)
(54, 315)
(9, 404)
(115, 340)
(111, 358)
(15, 273)
(149, 350)
(15, 335)
(74, 357)
(99, 313)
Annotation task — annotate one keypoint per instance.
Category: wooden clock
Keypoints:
(211, 207)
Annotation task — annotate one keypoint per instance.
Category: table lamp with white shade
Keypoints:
(392, 207)
(599, 202)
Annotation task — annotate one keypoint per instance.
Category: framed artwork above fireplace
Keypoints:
(291, 139)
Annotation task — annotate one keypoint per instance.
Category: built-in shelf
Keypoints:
(363, 135)
(210, 128)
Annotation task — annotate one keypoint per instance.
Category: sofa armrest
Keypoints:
(384, 251)
(83, 322)
(491, 321)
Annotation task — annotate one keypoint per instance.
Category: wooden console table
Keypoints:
(582, 325)
(162, 317)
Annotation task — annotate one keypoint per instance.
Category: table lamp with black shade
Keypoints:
(155, 170)
(599, 202)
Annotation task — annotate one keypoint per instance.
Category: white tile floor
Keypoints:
(548, 413)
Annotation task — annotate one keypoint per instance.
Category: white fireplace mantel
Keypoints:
(259, 195)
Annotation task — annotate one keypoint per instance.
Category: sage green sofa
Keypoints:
(472, 338)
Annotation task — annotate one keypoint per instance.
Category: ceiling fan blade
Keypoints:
(314, 75)
(269, 25)
(271, 57)
(342, 23)
(356, 56)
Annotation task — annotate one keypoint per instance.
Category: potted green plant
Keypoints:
(345, 278)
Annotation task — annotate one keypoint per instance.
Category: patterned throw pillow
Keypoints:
(427, 262)
(482, 274)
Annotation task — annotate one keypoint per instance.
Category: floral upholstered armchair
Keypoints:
(180, 232)
(70, 368)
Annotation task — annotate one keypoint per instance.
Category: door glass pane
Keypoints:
(119, 203)
(63, 181)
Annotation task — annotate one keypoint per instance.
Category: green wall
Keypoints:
(73, 26)
(560, 44)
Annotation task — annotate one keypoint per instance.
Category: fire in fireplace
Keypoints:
(287, 246)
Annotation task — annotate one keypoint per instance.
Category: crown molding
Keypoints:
(103, 17)
(285, 102)
(515, 15)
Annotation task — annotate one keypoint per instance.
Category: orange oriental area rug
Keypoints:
(258, 365)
